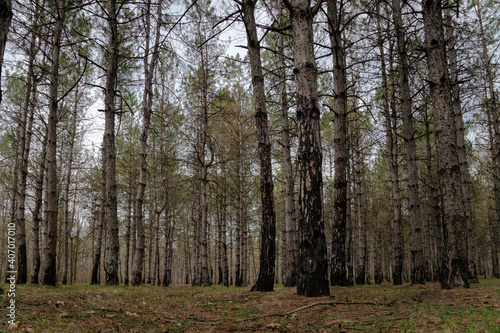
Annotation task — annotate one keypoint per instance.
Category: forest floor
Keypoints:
(371, 308)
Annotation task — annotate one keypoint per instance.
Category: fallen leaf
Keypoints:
(273, 325)
(132, 314)
(62, 314)
(16, 327)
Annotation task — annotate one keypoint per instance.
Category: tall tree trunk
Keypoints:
(112, 241)
(128, 228)
(36, 215)
(66, 228)
(265, 280)
(349, 228)
(455, 261)
(5, 18)
(493, 113)
(416, 254)
(49, 276)
(460, 132)
(26, 126)
(240, 210)
(147, 103)
(392, 159)
(312, 270)
(290, 225)
(96, 264)
(495, 264)
(360, 223)
(338, 261)
(225, 266)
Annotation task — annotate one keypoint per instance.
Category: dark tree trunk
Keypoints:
(66, 226)
(338, 261)
(49, 276)
(112, 242)
(416, 254)
(26, 126)
(5, 18)
(96, 264)
(455, 267)
(265, 280)
(312, 265)
(147, 103)
(36, 215)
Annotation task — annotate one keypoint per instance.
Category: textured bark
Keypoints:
(265, 280)
(239, 209)
(5, 18)
(454, 272)
(25, 133)
(433, 207)
(49, 276)
(392, 160)
(460, 133)
(147, 103)
(112, 242)
(312, 264)
(96, 264)
(126, 274)
(416, 254)
(225, 265)
(289, 247)
(495, 265)
(359, 218)
(494, 121)
(349, 227)
(36, 215)
(65, 221)
(338, 275)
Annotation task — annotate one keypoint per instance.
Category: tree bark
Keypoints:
(65, 221)
(312, 270)
(5, 18)
(149, 68)
(265, 280)
(25, 127)
(49, 276)
(416, 254)
(36, 215)
(338, 275)
(454, 273)
(112, 241)
(96, 264)
(493, 113)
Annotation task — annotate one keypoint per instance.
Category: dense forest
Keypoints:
(249, 143)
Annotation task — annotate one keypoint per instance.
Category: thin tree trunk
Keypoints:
(36, 215)
(392, 159)
(495, 141)
(349, 228)
(49, 276)
(338, 260)
(455, 267)
(147, 103)
(5, 18)
(65, 220)
(96, 265)
(416, 254)
(24, 146)
(290, 225)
